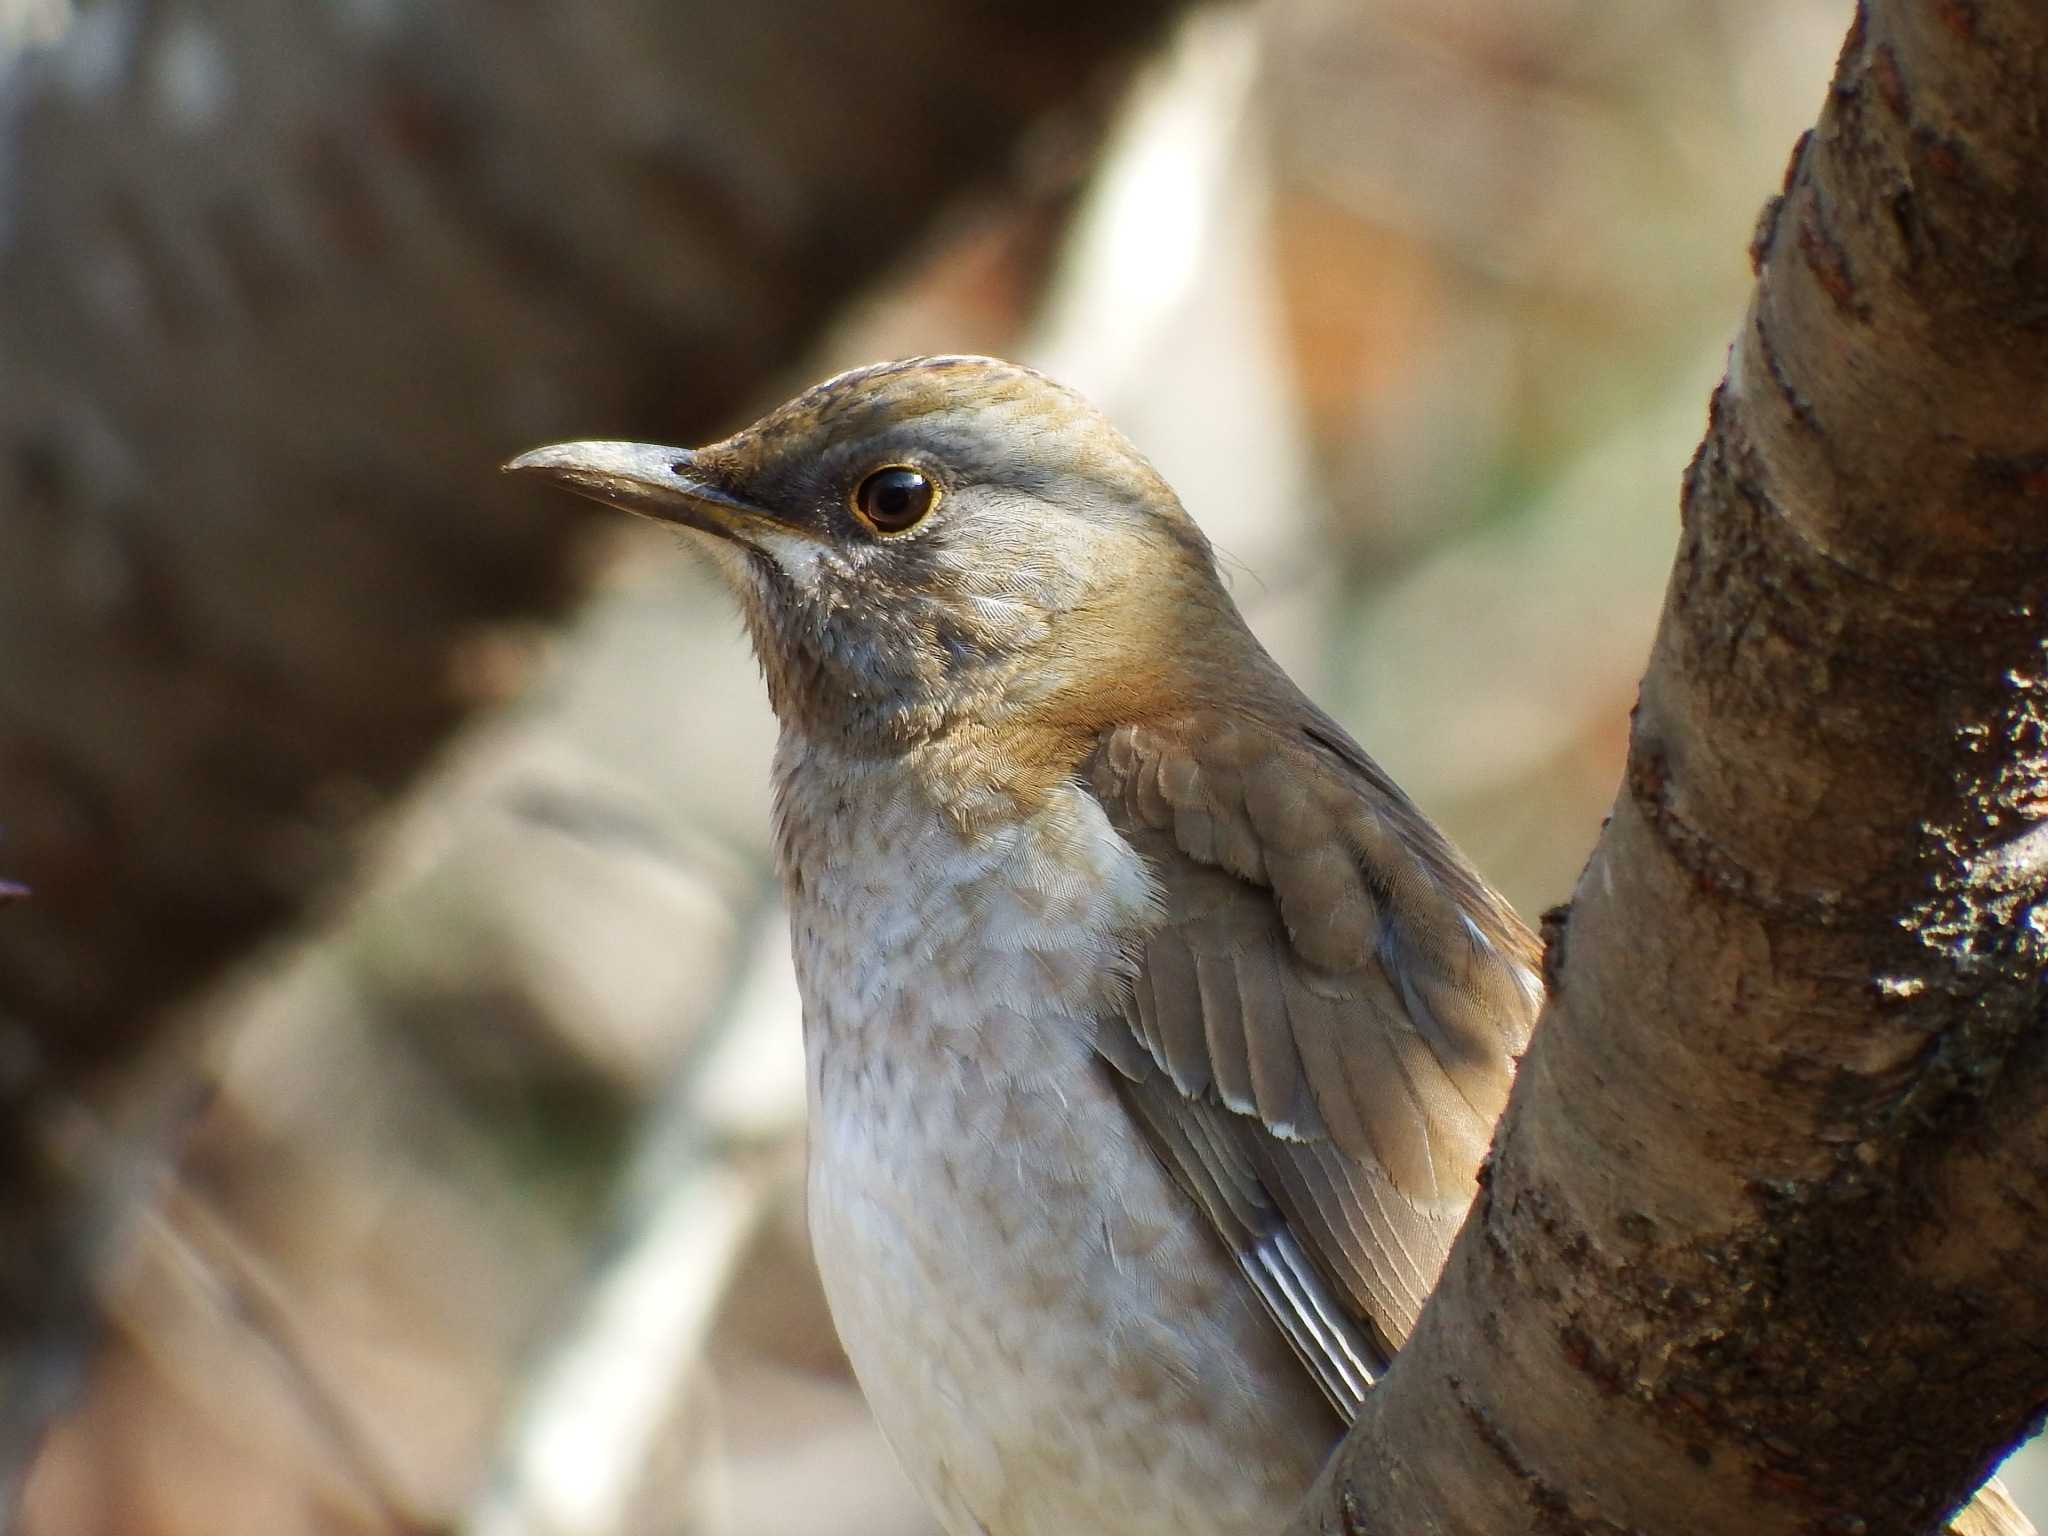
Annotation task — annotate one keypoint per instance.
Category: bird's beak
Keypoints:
(646, 479)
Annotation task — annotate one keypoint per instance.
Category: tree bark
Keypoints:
(1763, 1244)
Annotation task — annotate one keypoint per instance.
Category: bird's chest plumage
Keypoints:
(1045, 1328)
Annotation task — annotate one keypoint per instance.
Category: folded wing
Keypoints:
(1320, 1035)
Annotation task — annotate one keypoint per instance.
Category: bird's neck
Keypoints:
(969, 777)
(998, 739)
(890, 893)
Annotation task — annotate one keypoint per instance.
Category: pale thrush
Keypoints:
(1154, 1036)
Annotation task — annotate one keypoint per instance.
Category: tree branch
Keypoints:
(1762, 1246)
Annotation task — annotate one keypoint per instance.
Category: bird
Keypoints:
(1154, 1038)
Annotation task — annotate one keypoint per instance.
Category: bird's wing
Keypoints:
(1321, 1032)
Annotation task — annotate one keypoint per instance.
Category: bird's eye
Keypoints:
(895, 499)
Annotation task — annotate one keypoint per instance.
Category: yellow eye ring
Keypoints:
(895, 499)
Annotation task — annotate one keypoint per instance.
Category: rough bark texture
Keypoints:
(1764, 1242)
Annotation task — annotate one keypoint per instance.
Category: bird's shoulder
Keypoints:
(1288, 854)
(1328, 1012)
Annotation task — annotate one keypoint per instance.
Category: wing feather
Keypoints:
(1323, 1027)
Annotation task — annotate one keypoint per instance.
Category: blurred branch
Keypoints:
(73, 1190)
(1761, 1245)
(48, 1324)
(282, 281)
(615, 1376)
(223, 1270)
(417, 1125)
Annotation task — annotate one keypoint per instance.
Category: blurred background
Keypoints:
(400, 1087)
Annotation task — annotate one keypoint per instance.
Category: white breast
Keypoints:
(1048, 1334)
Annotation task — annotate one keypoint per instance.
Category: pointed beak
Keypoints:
(648, 480)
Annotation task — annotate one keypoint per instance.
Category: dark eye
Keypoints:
(894, 499)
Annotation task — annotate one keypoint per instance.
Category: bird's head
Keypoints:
(938, 546)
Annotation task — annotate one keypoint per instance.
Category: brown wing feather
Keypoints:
(1323, 1029)
(1211, 1161)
